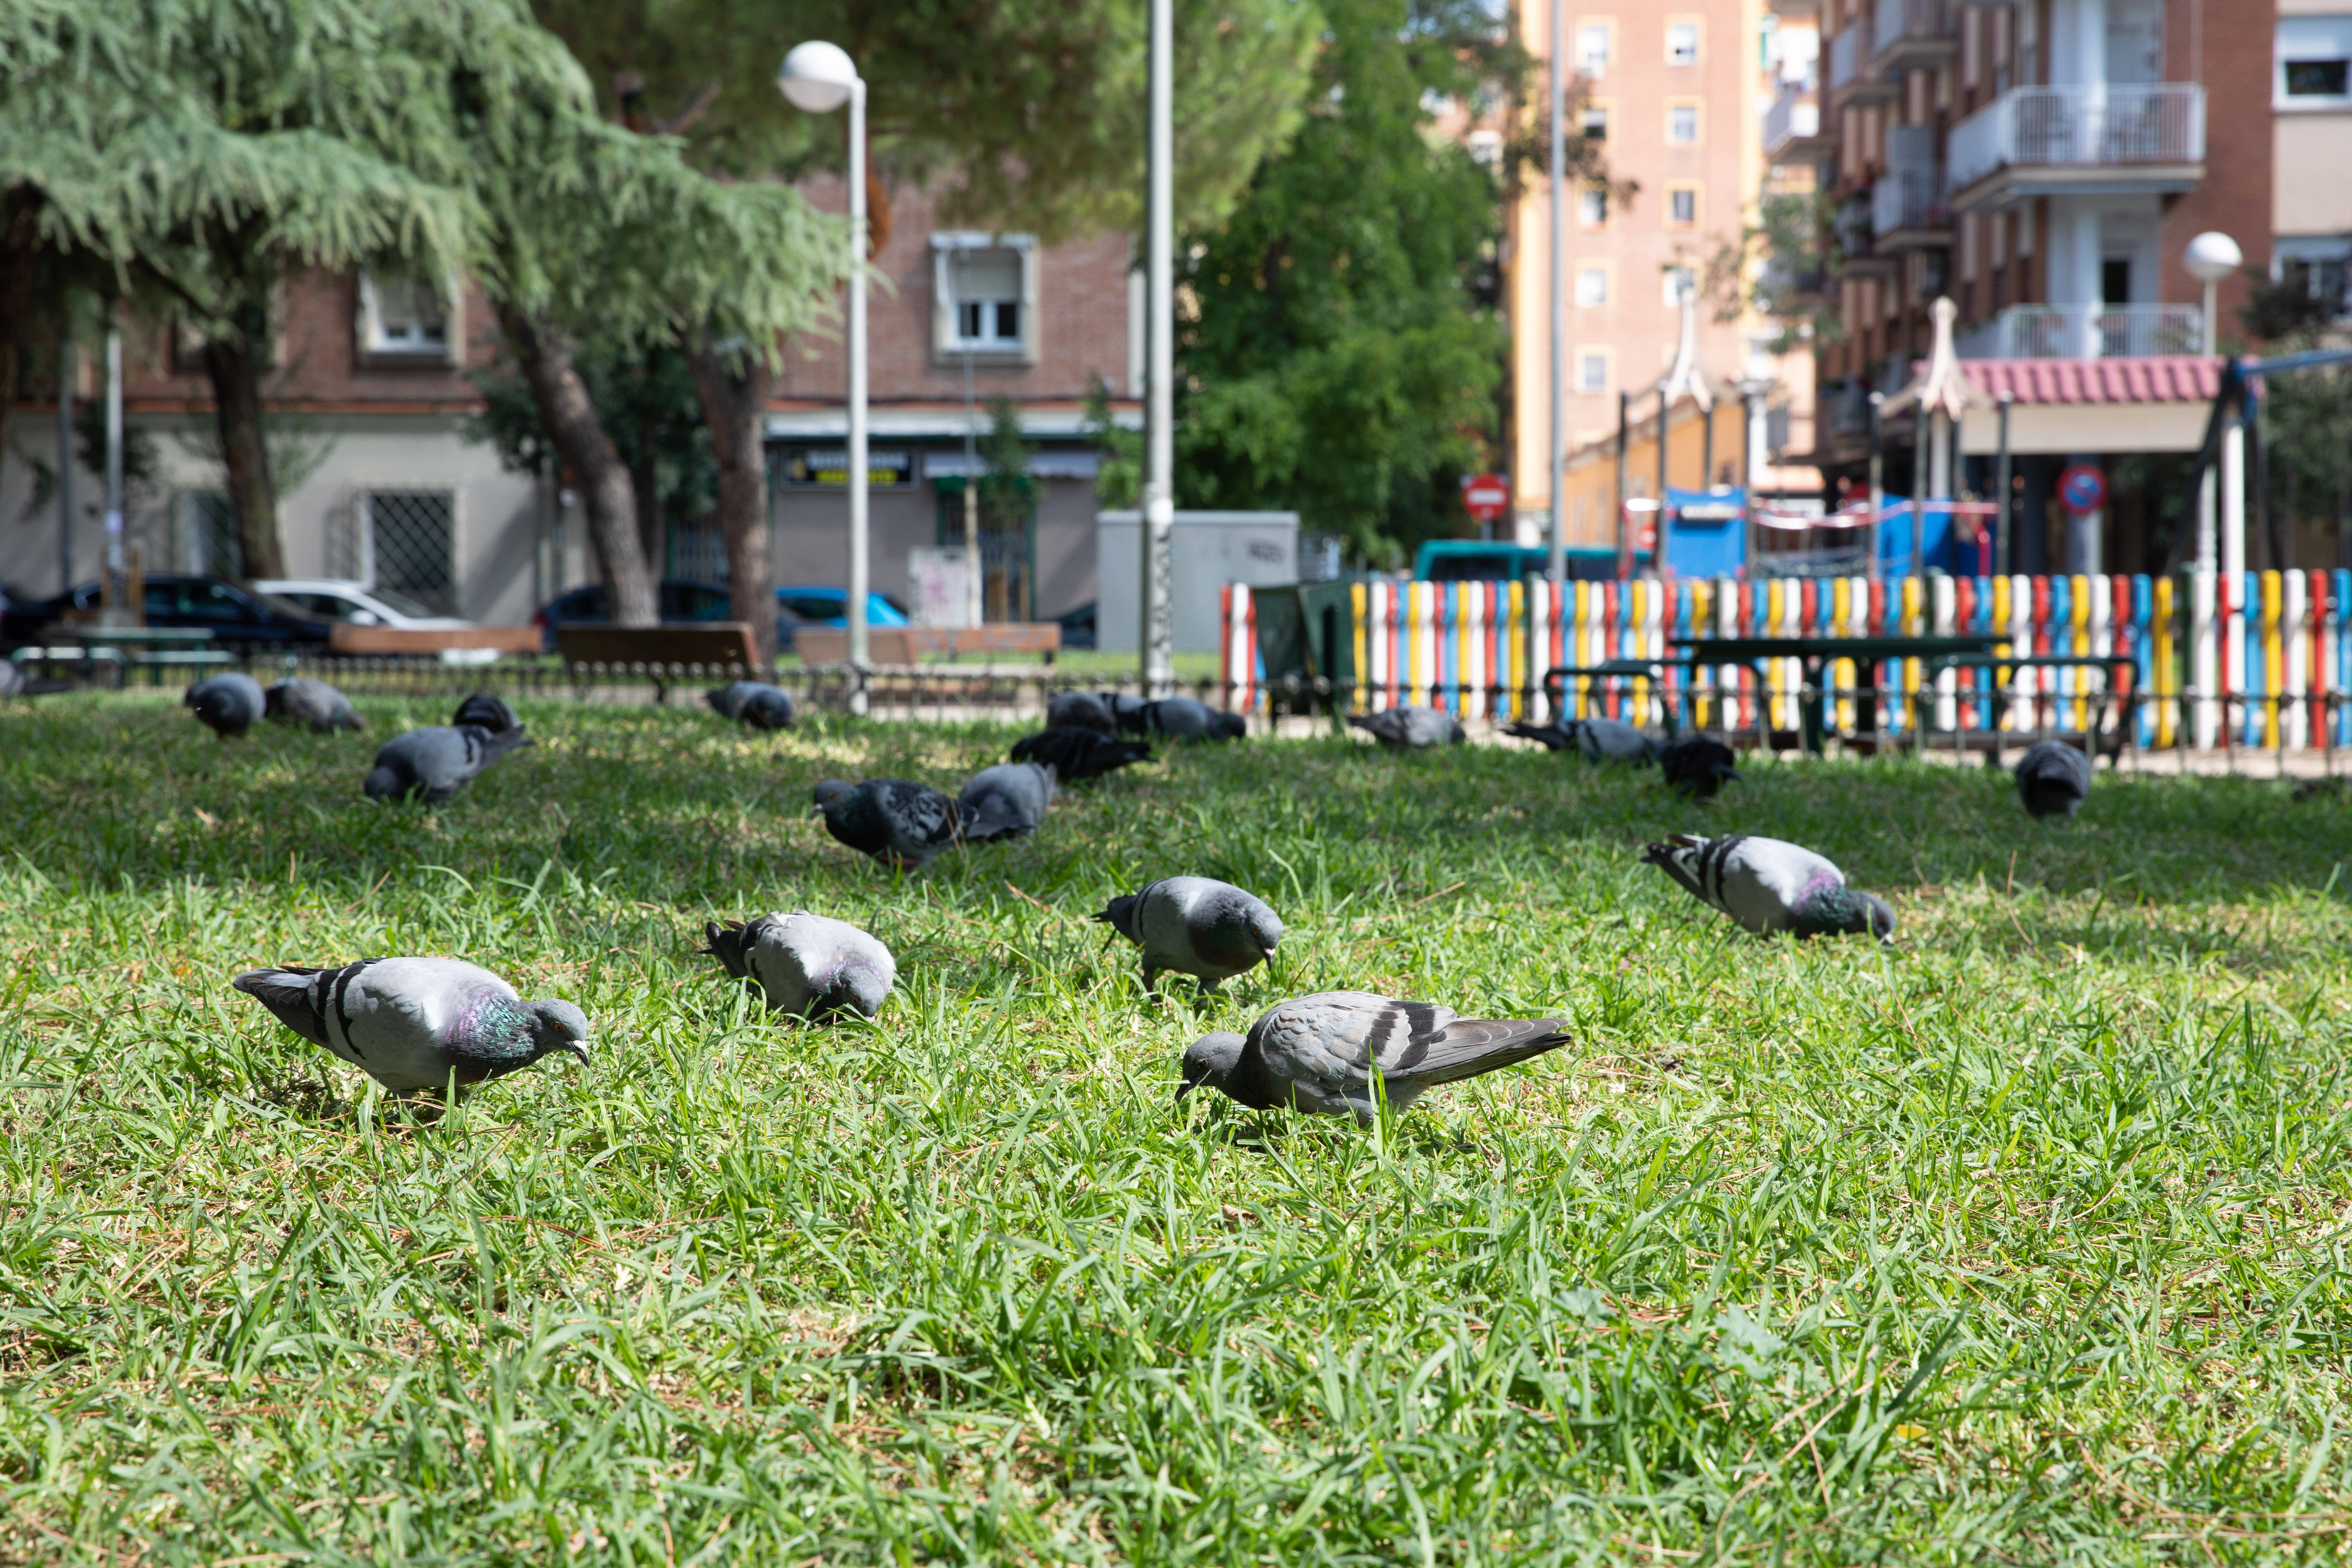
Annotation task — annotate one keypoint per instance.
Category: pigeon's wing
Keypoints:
(1323, 1049)
(919, 814)
(407, 1019)
(1387, 725)
(1694, 863)
(1760, 882)
(300, 997)
(779, 961)
(1551, 736)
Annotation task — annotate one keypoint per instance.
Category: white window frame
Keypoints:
(1697, 203)
(1698, 121)
(1601, 292)
(1605, 28)
(1584, 200)
(1598, 110)
(1584, 358)
(948, 346)
(1697, 30)
(375, 349)
(2301, 39)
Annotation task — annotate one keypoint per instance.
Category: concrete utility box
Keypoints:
(1211, 549)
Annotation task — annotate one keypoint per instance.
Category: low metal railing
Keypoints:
(2090, 126)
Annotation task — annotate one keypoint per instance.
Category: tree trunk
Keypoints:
(553, 377)
(733, 392)
(235, 364)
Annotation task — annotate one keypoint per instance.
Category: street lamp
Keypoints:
(820, 78)
(2209, 257)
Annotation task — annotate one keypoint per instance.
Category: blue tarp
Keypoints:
(1945, 552)
(1707, 534)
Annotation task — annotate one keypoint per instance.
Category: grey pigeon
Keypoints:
(415, 1023)
(1698, 763)
(1079, 710)
(2053, 779)
(1189, 719)
(1012, 794)
(313, 704)
(1076, 755)
(1209, 930)
(898, 823)
(15, 682)
(1127, 712)
(1410, 728)
(1594, 739)
(438, 761)
(1322, 1053)
(1769, 885)
(807, 964)
(754, 703)
(229, 704)
(485, 711)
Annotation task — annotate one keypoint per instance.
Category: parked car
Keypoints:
(1077, 626)
(362, 603)
(239, 618)
(683, 601)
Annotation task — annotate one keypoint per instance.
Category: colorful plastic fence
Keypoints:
(2271, 649)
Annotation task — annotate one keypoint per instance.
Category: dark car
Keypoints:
(239, 618)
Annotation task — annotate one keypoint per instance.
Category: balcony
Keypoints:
(1792, 128)
(1851, 78)
(1858, 252)
(2086, 331)
(1908, 209)
(1914, 34)
(2103, 139)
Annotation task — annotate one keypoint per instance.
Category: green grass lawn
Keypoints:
(2020, 1241)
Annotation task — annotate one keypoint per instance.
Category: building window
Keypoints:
(1594, 122)
(1682, 207)
(987, 293)
(404, 318)
(209, 542)
(1682, 43)
(407, 543)
(1680, 282)
(1682, 123)
(1592, 206)
(1593, 40)
(2315, 62)
(2319, 270)
(1592, 287)
(1592, 371)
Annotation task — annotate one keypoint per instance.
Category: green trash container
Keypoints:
(1306, 635)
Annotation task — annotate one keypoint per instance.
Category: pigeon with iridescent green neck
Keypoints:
(416, 1025)
(1770, 885)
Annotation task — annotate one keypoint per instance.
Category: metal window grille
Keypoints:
(410, 535)
(209, 545)
(698, 555)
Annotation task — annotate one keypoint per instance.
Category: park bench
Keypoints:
(905, 646)
(664, 654)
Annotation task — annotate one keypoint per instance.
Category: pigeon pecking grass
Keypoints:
(1769, 885)
(436, 764)
(2053, 779)
(1340, 1052)
(805, 964)
(1410, 728)
(1080, 710)
(313, 704)
(418, 1025)
(229, 705)
(1594, 739)
(485, 711)
(900, 822)
(1017, 794)
(1198, 926)
(1076, 755)
(1698, 764)
(755, 703)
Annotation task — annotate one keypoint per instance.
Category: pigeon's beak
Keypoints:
(816, 811)
(578, 1049)
(1182, 1089)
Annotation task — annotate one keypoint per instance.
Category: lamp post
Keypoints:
(1155, 636)
(2209, 257)
(819, 78)
(1556, 555)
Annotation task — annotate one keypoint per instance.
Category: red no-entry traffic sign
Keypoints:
(1487, 496)
(2081, 490)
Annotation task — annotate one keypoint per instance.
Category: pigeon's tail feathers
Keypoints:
(497, 743)
(1549, 735)
(287, 993)
(485, 710)
(1678, 858)
(992, 817)
(1474, 1046)
(731, 943)
(1119, 915)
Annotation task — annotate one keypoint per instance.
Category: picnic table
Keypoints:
(1817, 653)
(2002, 664)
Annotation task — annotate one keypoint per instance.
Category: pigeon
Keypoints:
(484, 712)
(1081, 710)
(415, 1023)
(1126, 712)
(1320, 1053)
(1012, 793)
(437, 762)
(1410, 729)
(1189, 719)
(313, 704)
(1594, 739)
(2053, 779)
(898, 823)
(15, 682)
(1698, 763)
(753, 702)
(229, 704)
(807, 964)
(1768, 885)
(1209, 930)
(1076, 755)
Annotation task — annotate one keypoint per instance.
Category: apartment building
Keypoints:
(1678, 98)
(370, 392)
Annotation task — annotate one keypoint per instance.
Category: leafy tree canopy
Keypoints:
(1340, 351)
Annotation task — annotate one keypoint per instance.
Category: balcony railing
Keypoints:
(1849, 412)
(2086, 331)
(1913, 26)
(1794, 117)
(1849, 54)
(1908, 199)
(2099, 126)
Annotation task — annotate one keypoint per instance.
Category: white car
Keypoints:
(372, 604)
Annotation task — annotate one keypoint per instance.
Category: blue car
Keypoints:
(683, 601)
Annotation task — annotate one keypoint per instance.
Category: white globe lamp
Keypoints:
(2209, 257)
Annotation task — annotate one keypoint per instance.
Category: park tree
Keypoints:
(1341, 352)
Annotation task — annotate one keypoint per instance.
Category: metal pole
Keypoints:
(2001, 484)
(1624, 444)
(66, 368)
(1155, 631)
(973, 612)
(858, 564)
(114, 563)
(1557, 568)
(2233, 496)
(1664, 408)
(2212, 333)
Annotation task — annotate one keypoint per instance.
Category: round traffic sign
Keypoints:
(1487, 496)
(2081, 490)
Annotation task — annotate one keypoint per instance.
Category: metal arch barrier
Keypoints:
(2001, 663)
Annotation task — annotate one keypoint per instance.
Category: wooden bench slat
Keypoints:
(715, 644)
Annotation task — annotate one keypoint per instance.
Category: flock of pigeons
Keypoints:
(425, 1025)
